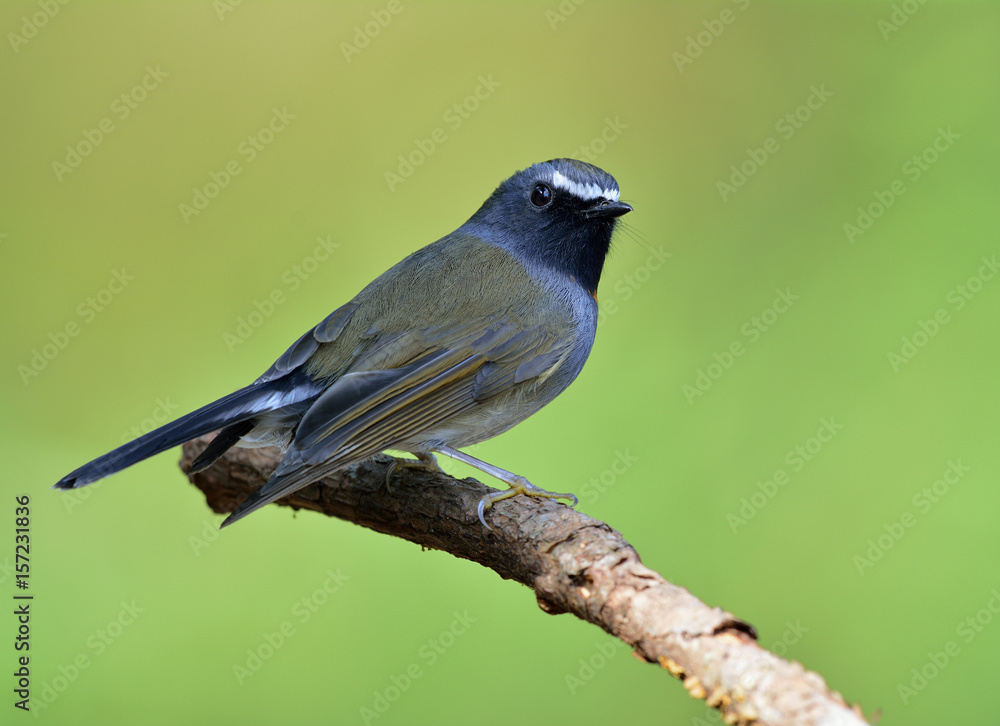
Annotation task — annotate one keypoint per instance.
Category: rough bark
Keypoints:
(574, 563)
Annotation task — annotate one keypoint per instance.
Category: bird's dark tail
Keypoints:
(220, 445)
(237, 407)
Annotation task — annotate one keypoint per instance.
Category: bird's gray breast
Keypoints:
(573, 313)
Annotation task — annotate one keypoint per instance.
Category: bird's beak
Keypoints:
(609, 209)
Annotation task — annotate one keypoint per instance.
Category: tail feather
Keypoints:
(276, 487)
(239, 406)
(220, 445)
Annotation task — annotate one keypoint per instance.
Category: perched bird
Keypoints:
(457, 343)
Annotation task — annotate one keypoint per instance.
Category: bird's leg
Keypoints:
(517, 484)
(424, 461)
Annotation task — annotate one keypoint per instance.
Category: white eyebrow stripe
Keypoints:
(583, 191)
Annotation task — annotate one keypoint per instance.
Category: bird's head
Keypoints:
(560, 213)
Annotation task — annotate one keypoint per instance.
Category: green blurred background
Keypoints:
(144, 614)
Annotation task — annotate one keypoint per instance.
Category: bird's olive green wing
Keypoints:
(366, 411)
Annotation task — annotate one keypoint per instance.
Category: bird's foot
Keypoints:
(519, 485)
(424, 462)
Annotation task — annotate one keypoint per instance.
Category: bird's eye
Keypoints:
(541, 195)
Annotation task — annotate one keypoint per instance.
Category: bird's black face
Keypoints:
(560, 213)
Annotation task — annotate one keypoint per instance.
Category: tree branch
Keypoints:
(574, 564)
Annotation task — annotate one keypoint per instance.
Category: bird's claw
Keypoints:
(520, 486)
(424, 462)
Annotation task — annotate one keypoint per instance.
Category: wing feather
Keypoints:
(364, 412)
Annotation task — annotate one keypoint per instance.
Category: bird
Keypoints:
(455, 344)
